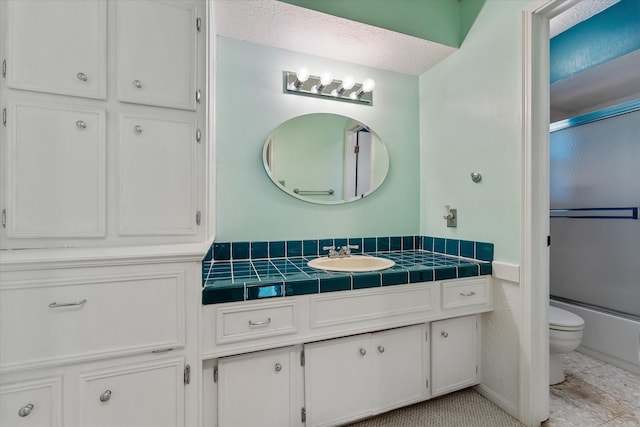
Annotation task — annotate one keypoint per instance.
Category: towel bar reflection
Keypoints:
(328, 192)
(596, 213)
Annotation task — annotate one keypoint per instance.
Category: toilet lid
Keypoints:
(559, 318)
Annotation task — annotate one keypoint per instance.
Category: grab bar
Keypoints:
(596, 213)
(313, 192)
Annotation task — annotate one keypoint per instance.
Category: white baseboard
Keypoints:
(509, 407)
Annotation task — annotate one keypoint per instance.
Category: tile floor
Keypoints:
(594, 394)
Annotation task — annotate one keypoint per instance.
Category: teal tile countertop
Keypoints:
(243, 271)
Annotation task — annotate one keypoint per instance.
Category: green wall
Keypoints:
(442, 21)
(470, 121)
(250, 103)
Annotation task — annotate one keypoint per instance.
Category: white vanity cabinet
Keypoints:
(157, 66)
(353, 377)
(454, 354)
(58, 47)
(103, 139)
(260, 389)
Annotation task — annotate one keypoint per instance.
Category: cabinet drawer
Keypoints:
(240, 323)
(33, 403)
(44, 323)
(462, 293)
(352, 307)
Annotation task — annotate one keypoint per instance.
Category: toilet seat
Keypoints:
(563, 320)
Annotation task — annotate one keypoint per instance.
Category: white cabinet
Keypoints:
(34, 403)
(141, 395)
(454, 354)
(56, 171)
(374, 373)
(58, 47)
(261, 389)
(158, 189)
(157, 65)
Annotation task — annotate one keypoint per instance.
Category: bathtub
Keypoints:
(608, 337)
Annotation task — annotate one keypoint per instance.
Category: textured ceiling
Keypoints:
(281, 25)
(576, 14)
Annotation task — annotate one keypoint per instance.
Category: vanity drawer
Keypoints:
(245, 322)
(462, 293)
(78, 319)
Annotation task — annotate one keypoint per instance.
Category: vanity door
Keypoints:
(260, 389)
(58, 47)
(454, 354)
(156, 46)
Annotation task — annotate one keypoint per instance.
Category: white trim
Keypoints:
(505, 271)
(534, 285)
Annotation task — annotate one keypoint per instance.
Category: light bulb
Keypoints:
(348, 82)
(368, 85)
(326, 79)
(302, 75)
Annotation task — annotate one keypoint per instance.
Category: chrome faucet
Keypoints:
(342, 252)
(332, 251)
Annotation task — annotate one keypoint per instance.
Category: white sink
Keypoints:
(352, 263)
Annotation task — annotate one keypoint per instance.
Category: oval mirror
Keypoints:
(325, 158)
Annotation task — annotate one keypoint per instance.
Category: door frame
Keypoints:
(534, 271)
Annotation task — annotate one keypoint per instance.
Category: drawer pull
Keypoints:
(81, 124)
(278, 367)
(104, 397)
(468, 294)
(25, 410)
(82, 76)
(381, 349)
(137, 129)
(363, 351)
(260, 323)
(137, 83)
(445, 334)
(67, 304)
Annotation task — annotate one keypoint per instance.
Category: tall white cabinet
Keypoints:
(102, 179)
(103, 123)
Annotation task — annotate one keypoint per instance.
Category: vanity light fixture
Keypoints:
(367, 86)
(325, 86)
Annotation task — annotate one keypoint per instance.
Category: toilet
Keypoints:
(565, 334)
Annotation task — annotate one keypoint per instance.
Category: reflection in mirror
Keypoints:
(325, 158)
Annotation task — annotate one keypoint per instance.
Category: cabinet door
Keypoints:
(260, 389)
(143, 395)
(58, 47)
(31, 404)
(400, 370)
(338, 380)
(157, 53)
(56, 171)
(454, 354)
(157, 176)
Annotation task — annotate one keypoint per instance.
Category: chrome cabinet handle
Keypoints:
(82, 76)
(260, 323)
(137, 83)
(381, 349)
(137, 129)
(104, 397)
(25, 410)
(468, 294)
(444, 334)
(81, 124)
(67, 304)
(363, 351)
(278, 367)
